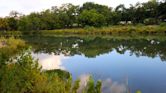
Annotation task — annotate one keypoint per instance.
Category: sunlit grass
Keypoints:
(109, 30)
(151, 29)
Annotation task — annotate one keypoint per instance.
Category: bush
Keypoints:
(163, 24)
(89, 28)
(140, 25)
(150, 21)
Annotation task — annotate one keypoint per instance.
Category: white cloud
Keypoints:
(27, 6)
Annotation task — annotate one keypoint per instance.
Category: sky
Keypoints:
(27, 6)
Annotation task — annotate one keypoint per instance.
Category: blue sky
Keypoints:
(27, 6)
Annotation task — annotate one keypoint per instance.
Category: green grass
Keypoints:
(9, 47)
(153, 29)
(111, 30)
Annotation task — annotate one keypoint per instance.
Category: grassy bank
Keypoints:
(110, 30)
(129, 30)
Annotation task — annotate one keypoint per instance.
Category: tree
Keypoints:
(123, 13)
(3, 24)
(92, 14)
(114, 18)
(56, 17)
(162, 10)
(48, 20)
(151, 9)
(14, 14)
(34, 21)
(30, 22)
(91, 18)
(68, 14)
(139, 14)
(23, 24)
(12, 23)
(101, 9)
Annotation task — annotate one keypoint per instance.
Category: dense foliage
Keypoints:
(9, 47)
(90, 14)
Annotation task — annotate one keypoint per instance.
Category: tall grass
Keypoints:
(128, 29)
(9, 47)
(153, 29)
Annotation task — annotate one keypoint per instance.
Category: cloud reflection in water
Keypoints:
(50, 61)
(108, 85)
(83, 82)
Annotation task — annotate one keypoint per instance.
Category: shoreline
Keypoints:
(112, 30)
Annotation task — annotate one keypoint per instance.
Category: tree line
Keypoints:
(89, 14)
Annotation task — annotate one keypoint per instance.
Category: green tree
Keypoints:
(151, 10)
(48, 20)
(3, 24)
(101, 9)
(162, 10)
(30, 22)
(91, 18)
(23, 24)
(68, 14)
(123, 13)
(114, 18)
(12, 23)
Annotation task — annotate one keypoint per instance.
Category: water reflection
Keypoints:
(95, 46)
(143, 61)
(83, 82)
(108, 85)
(50, 61)
(118, 88)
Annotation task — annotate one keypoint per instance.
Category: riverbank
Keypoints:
(111, 30)
(129, 30)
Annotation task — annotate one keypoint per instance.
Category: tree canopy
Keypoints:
(89, 14)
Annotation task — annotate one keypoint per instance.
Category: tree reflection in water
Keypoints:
(94, 46)
(91, 47)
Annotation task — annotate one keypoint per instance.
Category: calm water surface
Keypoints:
(123, 65)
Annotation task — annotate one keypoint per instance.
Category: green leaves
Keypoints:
(91, 18)
(3, 24)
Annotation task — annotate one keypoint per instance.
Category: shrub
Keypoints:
(89, 28)
(140, 25)
(163, 24)
(150, 21)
